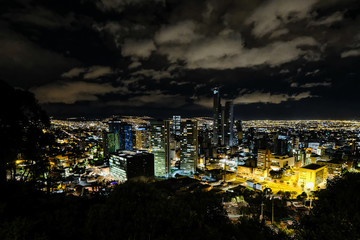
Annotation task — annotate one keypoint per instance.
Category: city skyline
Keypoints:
(274, 59)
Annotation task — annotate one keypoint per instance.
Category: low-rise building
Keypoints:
(279, 162)
(333, 166)
(245, 171)
(220, 174)
(311, 176)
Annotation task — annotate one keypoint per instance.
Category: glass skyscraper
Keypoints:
(123, 131)
(160, 147)
(189, 146)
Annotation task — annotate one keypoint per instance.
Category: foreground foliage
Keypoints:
(336, 214)
(132, 211)
(22, 122)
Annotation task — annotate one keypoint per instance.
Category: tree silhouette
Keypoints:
(336, 213)
(134, 210)
(143, 211)
(21, 124)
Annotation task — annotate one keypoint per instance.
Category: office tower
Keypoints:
(160, 147)
(295, 143)
(222, 128)
(239, 131)
(281, 146)
(205, 140)
(228, 125)
(176, 126)
(123, 130)
(141, 138)
(128, 164)
(295, 148)
(263, 159)
(111, 143)
(189, 146)
(167, 145)
(217, 117)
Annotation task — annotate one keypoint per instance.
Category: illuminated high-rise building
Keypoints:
(176, 126)
(263, 159)
(123, 131)
(228, 125)
(238, 126)
(160, 147)
(111, 143)
(217, 129)
(167, 140)
(281, 146)
(141, 138)
(205, 140)
(189, 146)
(295, 148)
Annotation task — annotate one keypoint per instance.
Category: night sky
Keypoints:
(277, 59)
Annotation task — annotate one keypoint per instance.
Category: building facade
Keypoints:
(217, 113)
(176, 131)
(160, 147)
(129, 164)
(311, 176)
(229, 124)
(142, 138)
(189, 146)
(123, 131)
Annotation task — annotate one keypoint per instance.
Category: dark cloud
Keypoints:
(137, 48)
(275, 14)
(92, 72)
(121, 5)
(25, 63)
(72, 92)
(274, 58)
(351, 53)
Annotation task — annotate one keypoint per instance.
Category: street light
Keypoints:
(262, 211)
(272, 211)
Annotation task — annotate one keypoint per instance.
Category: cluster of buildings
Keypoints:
(298, 155)
(302, 154)
(172, 145)
(178, 146)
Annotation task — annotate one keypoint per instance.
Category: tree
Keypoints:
(21, 124)
(336, 213)
(143, 211)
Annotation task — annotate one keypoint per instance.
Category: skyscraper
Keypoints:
(176, 126)
(239, 131)
(160, 147)
(295, 148)
(111, 143)
(189, 146)
(217, 117)
(223, 118)
(123, 131)
(142, 138)
(229, 124)
(281, 146)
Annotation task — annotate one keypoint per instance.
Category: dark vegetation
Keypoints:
(135, 210)
(21, 134)
(336, 214)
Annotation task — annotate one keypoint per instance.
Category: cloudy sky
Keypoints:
(276, 59)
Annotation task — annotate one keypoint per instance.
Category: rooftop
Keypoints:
(312, 166)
